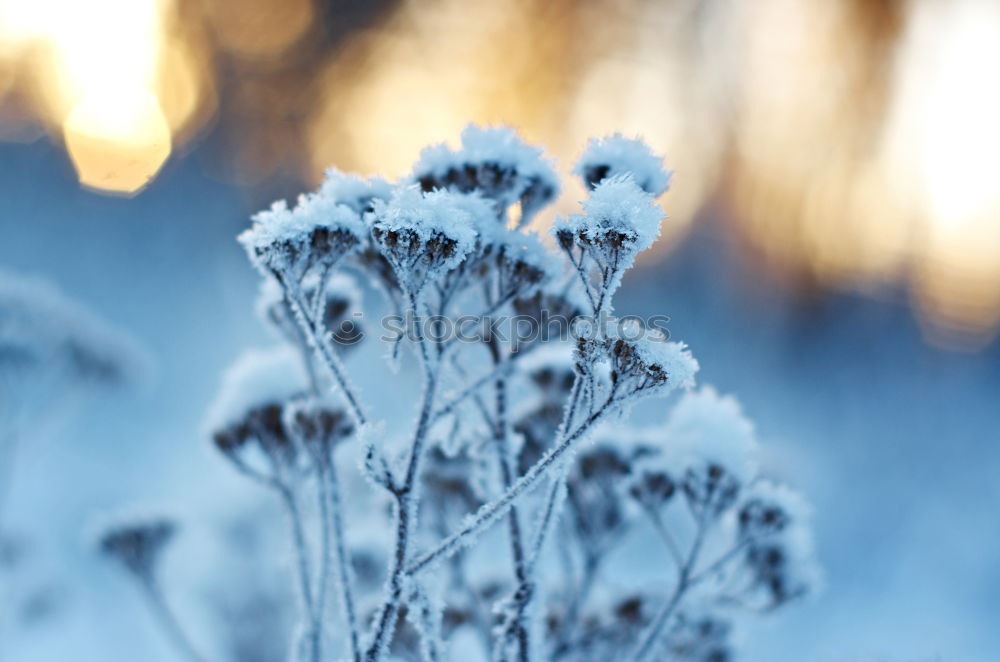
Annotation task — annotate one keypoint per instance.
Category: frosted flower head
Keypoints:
(620, 220)
(617, 155)
(641, 360)
(782, 567)
(768, 508)
(495, 162)
(287, 243)
(602, 463)
(700, 637)
(521, 262)
(593, 494)
(551, 371)
(357, 193)
(712, 445)
(422, 234)
(45, 333)
(652, 488)
(632, 611)
(774, 523)
(318, 425)
(137, 543)
(249, 406)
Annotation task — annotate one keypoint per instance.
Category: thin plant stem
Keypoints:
(587, 579)
(168, 621)
(322, 346)
(516, 539)
(343, 559)
(684, 582)
(303, 571)
(664, 533)
(406, 508)
(323, 580)
(489, 513)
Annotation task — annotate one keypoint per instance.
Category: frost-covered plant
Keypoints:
(54, 353)
(52, 350)
(519, 421)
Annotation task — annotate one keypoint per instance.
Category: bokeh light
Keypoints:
(849, 144)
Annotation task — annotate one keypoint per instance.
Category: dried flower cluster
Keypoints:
(497, 517)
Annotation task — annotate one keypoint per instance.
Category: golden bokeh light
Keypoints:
(121, 150)
(849, 144)
(259, 29)
(422, 76)
(947, 142)
(110, 79)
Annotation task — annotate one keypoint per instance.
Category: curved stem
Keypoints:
(322, 345)
(302, 569)
(518, 627)
(336, 525)
(169, 622)
(684, 582)
(407, 504)
(488, 514)
(664, 533)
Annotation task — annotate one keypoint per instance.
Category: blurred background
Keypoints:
(832, 252)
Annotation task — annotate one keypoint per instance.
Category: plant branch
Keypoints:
(488, 514)
(407, 504)
(322, 345)
(168, 620)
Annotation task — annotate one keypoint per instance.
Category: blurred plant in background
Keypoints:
(498, 418)
(54, 356)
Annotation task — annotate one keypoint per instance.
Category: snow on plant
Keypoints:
(53, 354)
(519, 438)
(52, 351)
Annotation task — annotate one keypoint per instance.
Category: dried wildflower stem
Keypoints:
(488, 514)
(553, 499)
(584, 278)
(407, 503)
(586, 585)
(323, 577)
(332, 513)
(321, 344)
(592, 560)
(668, 539)
(425, 621)
(520, 629)
(168, 620)
(302, 568)
(311, 610)
(557, 487)
(684, 582)
(721, 562)
(501, 370)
